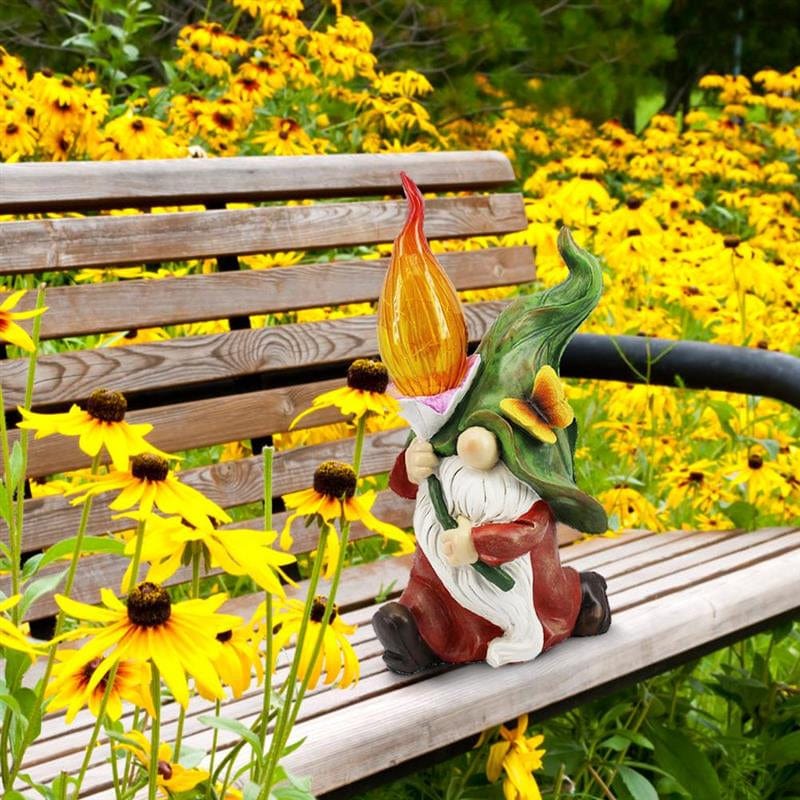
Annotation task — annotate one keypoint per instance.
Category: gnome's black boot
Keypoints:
(405, 650)
(594, 617)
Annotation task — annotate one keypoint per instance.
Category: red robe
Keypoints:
(457, 635)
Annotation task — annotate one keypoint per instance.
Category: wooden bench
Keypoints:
(674, 595)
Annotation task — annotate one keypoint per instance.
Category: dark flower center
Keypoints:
(107, 406)
(633, 203)
(755, 461)
(731, 242)
(165, 769)
(696, 477)
(149, 605)
(149, 467)
(334, 479)
(88, 671)
(368, 376)
(137, 125)
(224, 636)
(11, 128)
(318, 609)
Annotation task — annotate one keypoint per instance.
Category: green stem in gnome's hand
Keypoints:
(496, 575)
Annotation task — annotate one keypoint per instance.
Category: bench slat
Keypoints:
(145, 303)
(70, 243)
(72, 377)
(31, 187)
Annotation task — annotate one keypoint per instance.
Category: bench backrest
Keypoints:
(246, 382)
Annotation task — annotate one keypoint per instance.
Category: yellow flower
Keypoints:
(365, 393)
(9, 330)
(178, 638)
(237, 551)
(10, 635)
(148, 481)
(336, 657)
(172, 777)
(101, 424)
(238, 657)
(518, 757)
(332, 496)
(70, 689)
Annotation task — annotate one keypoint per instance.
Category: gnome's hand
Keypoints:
(421, 461)
(457, 546)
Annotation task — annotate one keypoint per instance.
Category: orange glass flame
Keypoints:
(422, 334)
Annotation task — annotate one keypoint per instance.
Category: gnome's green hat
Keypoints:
(528, 335)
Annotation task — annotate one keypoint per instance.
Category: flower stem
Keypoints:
(267, 455)
(101, 712)
(276, 747)
(359, 446)
(315, 654)
(213, 754)
(155, 732)
(137, 556)
(16, 550)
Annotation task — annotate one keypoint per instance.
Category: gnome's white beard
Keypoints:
(484, 496)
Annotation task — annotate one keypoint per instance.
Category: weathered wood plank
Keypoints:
(123, 305)
(230, 483)
(69, 243)
(92, 184)
(72, 377)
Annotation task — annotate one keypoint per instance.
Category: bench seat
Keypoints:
(674, 595)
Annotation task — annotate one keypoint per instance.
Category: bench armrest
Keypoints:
(693, 365)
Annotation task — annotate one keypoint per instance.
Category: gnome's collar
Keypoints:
(428, 413)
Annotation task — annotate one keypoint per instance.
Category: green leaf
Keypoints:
(233, 726)
(90, 544)
(17, 664)
(639, 787)
(191, 757)
(39, 588)
(742, 515)
(624, 738)
(785, 750)
(10, 702)
(685, 762)
(5, 507)
(15, 464)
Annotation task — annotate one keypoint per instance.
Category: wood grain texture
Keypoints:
(230, 483)
(70, 243)
(125, 305)
(94, 184)
(72, 377)
(396, 719)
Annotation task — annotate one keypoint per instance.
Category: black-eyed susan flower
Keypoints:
(70, 690)
(10, 635)
(237, 661)
(178, 638)
(172, 777)
(332, 497)
(9, 330)
(547, 407)
(336, 657)
(365, 393)
(237, 551)
(149, 482)
(100, 424)
(518, 756)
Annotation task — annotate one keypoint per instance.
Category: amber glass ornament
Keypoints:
(422, 334)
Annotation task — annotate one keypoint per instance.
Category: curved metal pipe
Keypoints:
(693, 365)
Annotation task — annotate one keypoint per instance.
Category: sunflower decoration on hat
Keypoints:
(510, 386)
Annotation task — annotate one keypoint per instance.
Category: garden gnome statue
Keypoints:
(490, 465)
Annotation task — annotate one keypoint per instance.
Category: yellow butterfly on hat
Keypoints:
(546, 409)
